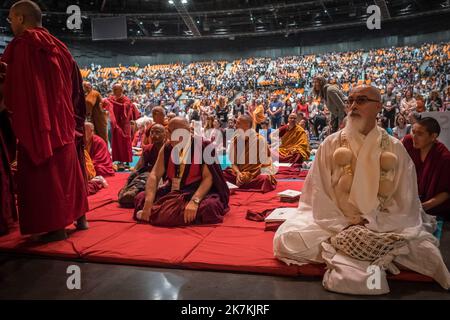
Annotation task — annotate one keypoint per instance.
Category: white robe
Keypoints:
(299, 240)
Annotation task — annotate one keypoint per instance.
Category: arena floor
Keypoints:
(26, 277)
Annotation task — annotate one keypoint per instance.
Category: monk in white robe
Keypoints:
(371, 182)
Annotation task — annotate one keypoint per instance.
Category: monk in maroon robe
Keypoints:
(43, 90)
(195, 192)
(121, 112)
(8, 212)
(159, 117)
(432, 161)
(98, 151)
(247, 162)
(137, 180)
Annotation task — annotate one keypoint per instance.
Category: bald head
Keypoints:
(88, 131)
(158, 133)
(117, 90)
(369, 91)
(364, 103)
(158, 114)
(178, 123)
(244, 122)
(24, 15)
(87, 86)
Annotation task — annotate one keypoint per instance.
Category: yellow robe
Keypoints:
(294, 142)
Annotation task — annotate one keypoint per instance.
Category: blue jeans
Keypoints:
(276, 122)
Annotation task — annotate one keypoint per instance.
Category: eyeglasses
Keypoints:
(360, 100)
(8, 20)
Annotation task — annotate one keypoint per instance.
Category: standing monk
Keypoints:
(122, 111)
(43, 90)
(7, 154)
(95, 112)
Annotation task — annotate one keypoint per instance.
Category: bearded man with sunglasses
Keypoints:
(362, 185)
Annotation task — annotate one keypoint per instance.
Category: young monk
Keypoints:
(432, 161)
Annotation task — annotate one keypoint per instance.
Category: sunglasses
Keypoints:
(360, 100)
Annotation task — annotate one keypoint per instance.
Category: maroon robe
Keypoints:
(8, 212)
(433, 174)
(168, 208)
(44, 93)
(100, 156)
(262, 183)
(94, 186)
(121, 112)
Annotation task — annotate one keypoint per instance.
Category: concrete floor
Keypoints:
(23, 277)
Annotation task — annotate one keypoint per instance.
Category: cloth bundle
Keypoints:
(135, 184)
(363, 244)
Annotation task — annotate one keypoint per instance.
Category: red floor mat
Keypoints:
(109, 194)
(112, 213)
(149, 245)
(73, 247)
(291, 173)
(236, 245)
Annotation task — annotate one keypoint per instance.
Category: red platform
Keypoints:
(236, 245)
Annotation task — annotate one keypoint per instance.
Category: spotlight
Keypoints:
(183, 1)
(171, 2)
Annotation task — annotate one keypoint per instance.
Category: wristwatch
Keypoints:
(196, 201)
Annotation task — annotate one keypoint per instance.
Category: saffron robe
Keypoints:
(294, 146)
(253, 179)
(96, 114)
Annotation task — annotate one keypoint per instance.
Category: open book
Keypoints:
(290, 194)
(281, 215)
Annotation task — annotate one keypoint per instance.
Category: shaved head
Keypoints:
(178, 123)
(158, 133)
(158, 114)
(24, 15)
(87, 86)
(158, 110)
(30, 10)
(117, 90)
(88, 132)
(244, 122)
(369, 91)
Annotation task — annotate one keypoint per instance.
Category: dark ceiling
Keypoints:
(184, 19)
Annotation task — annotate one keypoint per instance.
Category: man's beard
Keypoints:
(355, 124)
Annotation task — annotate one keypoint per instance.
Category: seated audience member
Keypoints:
(249, 154)
(362, 186)
(137, 180)
(432, 161)
(98, 151)
(294, 146)
(195, 191)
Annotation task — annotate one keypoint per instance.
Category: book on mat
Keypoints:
(281, 215)
(290, 194)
